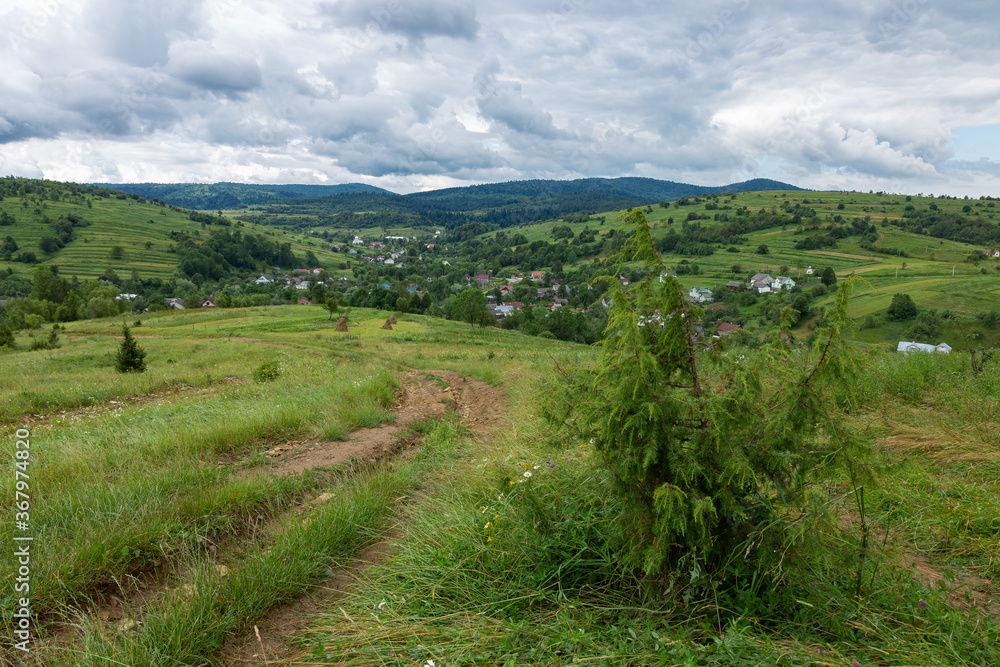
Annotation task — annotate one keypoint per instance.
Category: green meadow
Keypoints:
(496, 544)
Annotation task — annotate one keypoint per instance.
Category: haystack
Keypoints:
(342, 325)
(387, 325)
(392, 318)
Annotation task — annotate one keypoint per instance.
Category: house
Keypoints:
(124, 296)
(624, 281)
(303, 284)
(762, 286)
(905, 346)
(664, 274)
(538, 275)
(543, 293)
(718, 306)
(209, 302)
(412, 287)
(809, 271)
(761, 278)
(506, 289)
(504, 311)
(700, 295)
(782, 282)
(514, 304)
(735, 286)
(482, 280)
(264, 279)
(385, 286)
(357, 241)
(303, 302)
(727, 328)
(175, 304)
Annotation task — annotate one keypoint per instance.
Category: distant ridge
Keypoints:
(213, 196)
(625, 191)
(633, 189)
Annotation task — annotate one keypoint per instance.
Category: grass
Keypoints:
(489, 566)
(499, 568)
(132, 225)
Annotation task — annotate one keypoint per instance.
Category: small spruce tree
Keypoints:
(710, 469)
(130, 358)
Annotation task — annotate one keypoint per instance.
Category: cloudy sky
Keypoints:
(896, 95)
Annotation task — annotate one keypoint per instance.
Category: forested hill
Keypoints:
(214, 196)
(559, 196)
(628, 189)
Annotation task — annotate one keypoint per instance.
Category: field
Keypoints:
(271, 491)
(141, 229)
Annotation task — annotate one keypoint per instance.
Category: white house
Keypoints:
(700, 295)
(905, 346)
(809, 271)
(264, 280)
(782, 282)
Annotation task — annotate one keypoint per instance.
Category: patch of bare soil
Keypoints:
(964, 593)
(424, 394)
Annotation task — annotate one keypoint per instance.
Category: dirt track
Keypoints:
(481, 408)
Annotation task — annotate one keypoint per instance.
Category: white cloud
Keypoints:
(411, 93)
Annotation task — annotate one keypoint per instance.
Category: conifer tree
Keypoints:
(130, 358)
(708, 467)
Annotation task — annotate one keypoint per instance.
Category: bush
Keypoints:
(130, 358)
(267, 372)
(901, 308)
(6, 336)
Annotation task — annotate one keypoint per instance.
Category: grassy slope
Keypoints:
(115, 496)
(130, 224)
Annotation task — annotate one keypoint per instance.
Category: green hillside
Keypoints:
(99, 220)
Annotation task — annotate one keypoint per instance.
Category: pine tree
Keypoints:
(130, 358)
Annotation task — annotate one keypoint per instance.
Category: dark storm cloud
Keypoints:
(414, 19)
(215, 70)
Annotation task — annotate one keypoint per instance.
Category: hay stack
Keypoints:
(387, 325)
(342, 325)
(392, 318)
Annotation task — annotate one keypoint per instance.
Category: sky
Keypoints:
(900, 96)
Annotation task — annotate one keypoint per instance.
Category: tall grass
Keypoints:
(498, 567)
(124, 491)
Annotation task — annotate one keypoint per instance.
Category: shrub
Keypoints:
(902, 307)
(6, 336)
(267, 372)
(130, 358)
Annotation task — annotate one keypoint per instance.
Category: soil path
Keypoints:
(482, 409)
(424, 394)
